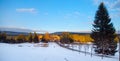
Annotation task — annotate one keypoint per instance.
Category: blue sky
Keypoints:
(55, 15)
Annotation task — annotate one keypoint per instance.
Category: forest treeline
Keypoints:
(65, 37)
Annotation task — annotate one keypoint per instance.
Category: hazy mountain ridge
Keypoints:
(59, 33)
(14, 33)
(17, 31)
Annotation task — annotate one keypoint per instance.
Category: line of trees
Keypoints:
(19, 39)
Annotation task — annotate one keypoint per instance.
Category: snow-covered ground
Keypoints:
(35, 52)
(89, 48)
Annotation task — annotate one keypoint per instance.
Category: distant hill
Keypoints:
(17, 31)
(13, 33)
(81, 33)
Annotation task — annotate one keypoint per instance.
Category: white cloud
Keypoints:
(116, 5)
(112, 5)
(28, 10)
(46, 13)
(68, 15)
(77, 13)
(115, 15)
(106, 2)
(96, 2)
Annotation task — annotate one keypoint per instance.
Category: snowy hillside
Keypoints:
(34, 52)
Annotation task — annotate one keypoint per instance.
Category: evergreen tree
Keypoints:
(103, 32)
(30, 37)
(35, 39)
(3, 37)
(0, 37)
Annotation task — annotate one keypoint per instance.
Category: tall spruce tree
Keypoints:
(103, 32)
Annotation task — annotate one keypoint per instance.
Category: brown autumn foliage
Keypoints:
(76, 37)
(47, 36)
(81, 38)
(66, 38)
(21, 38)
(54, 38)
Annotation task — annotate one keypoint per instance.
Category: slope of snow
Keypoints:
(34, 52)
(87, 48)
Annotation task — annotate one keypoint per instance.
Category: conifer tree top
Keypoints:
(102, 11)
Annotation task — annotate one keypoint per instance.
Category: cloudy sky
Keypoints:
(55, 15)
